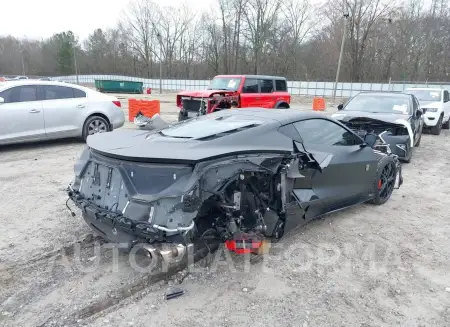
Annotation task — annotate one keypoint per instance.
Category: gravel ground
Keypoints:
(366, 266)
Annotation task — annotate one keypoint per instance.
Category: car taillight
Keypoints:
(117, 103)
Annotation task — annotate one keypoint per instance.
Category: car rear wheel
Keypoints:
(436, 130)
(384, 183)
(418, 141)
(447, 124)
(409, 151)
(94, 125)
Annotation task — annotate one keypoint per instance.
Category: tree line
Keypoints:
(385, 39)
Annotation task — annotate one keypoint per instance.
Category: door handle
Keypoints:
(34, 111)
(257, 98)
(81, 106)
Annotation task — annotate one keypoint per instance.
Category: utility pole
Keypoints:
(23, 65)
(344, 36)
(75, 63)
(160, 62)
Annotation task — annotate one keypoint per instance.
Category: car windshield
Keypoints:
(426, 95)
(225, 83)
(378, 104)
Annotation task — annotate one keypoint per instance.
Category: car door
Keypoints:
(416, 119)
(21, 115)
(250, 95)
(267, 88)
(63, 110)
(348, 167)
(446, 104)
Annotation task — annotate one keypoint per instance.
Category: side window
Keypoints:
(280, 85)
(20, 94)
(415, 104)
(250, 86)
(446, 96)
(54, 92)
(78, 93)
(325, 132)
(266, 85)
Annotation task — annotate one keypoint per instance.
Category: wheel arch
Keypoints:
(283, 104)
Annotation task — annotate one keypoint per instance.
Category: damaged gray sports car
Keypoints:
(237, 176)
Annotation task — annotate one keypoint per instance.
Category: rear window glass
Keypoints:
(266, 85)
(206, 126)
(280, 85)
(78, 93)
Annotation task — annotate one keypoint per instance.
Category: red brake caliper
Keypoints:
(379, 184)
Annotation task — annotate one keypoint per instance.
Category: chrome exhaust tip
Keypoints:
(168, 252)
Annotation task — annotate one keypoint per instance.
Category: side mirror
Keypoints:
(340, 107)
(2, 100)
(418, 113)
(370, 139)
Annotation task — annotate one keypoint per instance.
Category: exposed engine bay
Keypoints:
(398, 136)
(201, 106)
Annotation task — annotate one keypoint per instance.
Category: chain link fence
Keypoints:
(302, 88)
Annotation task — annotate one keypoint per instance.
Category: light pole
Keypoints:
(344, 36)
(160, 62)
(75, 61)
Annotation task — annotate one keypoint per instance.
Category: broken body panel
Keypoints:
(244, 177)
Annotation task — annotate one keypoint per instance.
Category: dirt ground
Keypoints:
(367, 266)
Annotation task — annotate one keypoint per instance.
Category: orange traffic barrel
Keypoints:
(318, 104)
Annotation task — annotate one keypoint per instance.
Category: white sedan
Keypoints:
(33, 110)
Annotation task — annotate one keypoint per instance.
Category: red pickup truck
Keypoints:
(235, 91)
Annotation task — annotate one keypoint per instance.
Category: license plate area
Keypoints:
(103, 186)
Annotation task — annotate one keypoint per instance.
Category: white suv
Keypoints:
(435, 103)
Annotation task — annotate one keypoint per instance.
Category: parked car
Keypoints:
(32, 110)
(19, 78)
(435, 103)
(237, 176)
(235, 91)
(396, 117)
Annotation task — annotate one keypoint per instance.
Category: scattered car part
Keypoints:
(173, 293)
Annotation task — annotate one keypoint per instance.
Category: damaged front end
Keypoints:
(167, 208)
(393, 137)
(191, 106)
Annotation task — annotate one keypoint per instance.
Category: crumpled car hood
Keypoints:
(203, 93)
(360, 115)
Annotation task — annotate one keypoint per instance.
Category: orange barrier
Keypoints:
(318, 104)
(148, 107)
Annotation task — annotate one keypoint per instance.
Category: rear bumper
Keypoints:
(118, 121)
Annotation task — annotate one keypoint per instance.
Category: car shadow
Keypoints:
(48, 144)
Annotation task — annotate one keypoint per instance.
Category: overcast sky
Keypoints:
(42, 18)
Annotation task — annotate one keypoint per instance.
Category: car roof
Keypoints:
(39, 82)
(425, 89)
(384, 93)
(254, 76)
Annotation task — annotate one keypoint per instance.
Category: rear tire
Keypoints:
(384, 182)
(409, 151)
(447, 124)
(418, 141)
(283, 106)
(94, 125)
(436, 130)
